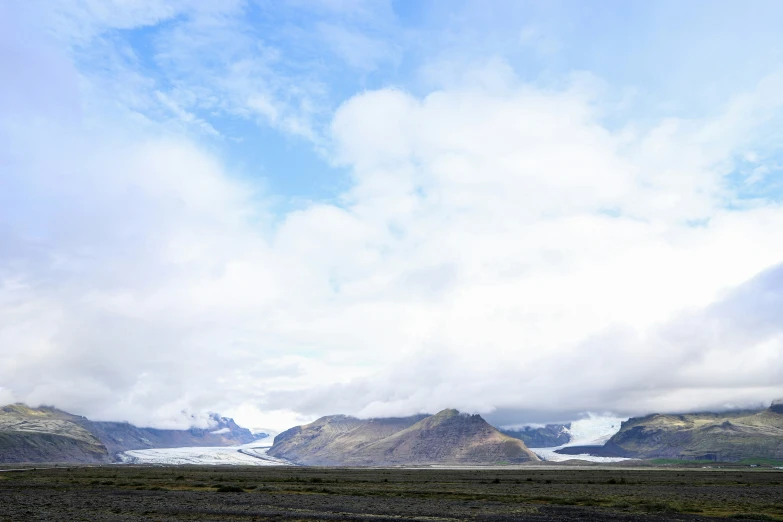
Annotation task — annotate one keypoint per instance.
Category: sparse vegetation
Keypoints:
(230, 489)
(751, 437)
(586, 493)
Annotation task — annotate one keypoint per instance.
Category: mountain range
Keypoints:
(726, 436)
(448, 437)
(547, 436)
(47, 434)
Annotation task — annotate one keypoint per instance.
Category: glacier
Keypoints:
(252, 454)
(593, 430)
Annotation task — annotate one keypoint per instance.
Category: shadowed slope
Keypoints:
(543, 437)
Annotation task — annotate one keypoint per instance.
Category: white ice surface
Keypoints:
(253, 454)
(594, 430)
(549, 454)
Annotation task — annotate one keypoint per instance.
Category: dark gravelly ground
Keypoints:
(115, 493)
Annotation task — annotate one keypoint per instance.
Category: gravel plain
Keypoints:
(217, 493)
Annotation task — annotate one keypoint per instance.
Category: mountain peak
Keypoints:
(24, 410)
(448, 437)
(448, 413)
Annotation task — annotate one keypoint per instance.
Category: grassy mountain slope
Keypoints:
(328, 440)
(728, 436)
(46, 435)
(445, 438)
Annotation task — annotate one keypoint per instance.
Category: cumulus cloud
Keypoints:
(499, 249)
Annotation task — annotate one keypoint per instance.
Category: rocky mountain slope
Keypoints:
(47, 434)
(448, 437)
(547, 436)
(728, 436)
(43, 435)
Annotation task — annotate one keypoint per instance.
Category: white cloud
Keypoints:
(498, 247)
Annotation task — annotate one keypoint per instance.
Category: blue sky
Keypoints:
(654, 60)
(388, 207)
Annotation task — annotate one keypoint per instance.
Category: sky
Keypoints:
(282, 210)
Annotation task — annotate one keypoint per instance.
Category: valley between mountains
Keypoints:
(451, 438)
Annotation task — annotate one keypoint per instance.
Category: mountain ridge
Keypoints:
(448, 437)
(47, 434)
(547, 436)
(722, 436)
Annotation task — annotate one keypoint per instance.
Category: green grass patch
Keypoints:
(661, 462)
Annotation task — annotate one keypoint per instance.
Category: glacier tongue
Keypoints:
(594, 430)
(253, 454)
(549, 454)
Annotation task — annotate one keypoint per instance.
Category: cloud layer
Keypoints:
(501, 246)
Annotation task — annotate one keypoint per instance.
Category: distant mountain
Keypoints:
(728, 436)
(547, 436)
(448, 437)
(47, 434)
(123, 436)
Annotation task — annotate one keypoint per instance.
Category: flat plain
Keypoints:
(190, 493)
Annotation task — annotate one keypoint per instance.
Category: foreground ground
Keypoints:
(305, 494)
